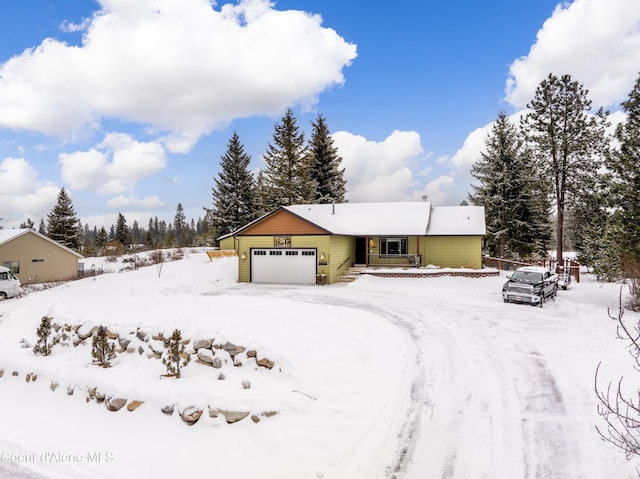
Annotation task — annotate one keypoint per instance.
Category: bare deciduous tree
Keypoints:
(620, 409)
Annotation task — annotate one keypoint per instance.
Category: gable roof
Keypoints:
(372, 219)
(385, 219)
(457, 221)
(10, 235)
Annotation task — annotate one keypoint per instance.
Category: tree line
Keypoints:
(558, 177)
(296, 172)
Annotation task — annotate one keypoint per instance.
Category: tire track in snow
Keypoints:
(408, 416)
(549, 450)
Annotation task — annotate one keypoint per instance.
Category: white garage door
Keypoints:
(290, 265)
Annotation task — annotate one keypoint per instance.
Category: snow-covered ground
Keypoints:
(381, 378)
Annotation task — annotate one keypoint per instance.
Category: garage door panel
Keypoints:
(286, 266)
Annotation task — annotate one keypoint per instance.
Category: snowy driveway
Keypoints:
(497, 390)
(431, 378)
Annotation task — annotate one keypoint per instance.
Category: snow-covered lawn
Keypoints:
(407, 378)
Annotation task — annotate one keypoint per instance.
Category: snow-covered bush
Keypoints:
(173, 357)
(43, 345)
(102, 350)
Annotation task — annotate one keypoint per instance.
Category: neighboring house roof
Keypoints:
(457, 221)
(10, 235)
(387, 219)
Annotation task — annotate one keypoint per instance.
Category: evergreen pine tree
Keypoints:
(286, 177)
(568, 142)
(173, 357)
(62, 224)
(43, 346)
(234, 190)
(101, 240)
(516, 205)
(102, 350)
(262, 204)
(122, 231)
(325, 172)
(42, 229)
(623, 162)
(27, 224)
(179, 225)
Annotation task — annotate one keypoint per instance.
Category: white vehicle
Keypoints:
(9, 284)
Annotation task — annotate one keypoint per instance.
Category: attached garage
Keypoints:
(283, 265)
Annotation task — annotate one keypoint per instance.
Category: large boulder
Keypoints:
(229, 416)
(202, 343)
(265, 363)
(205, 355)
(168, 410)
(232, 349)
(87, 330)
(115, 404)
(191, 415)
(133, 405)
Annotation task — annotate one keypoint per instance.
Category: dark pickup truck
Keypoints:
(531, 284)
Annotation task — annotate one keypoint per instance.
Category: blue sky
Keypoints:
(129, 105)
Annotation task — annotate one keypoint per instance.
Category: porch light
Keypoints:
(244, 256)
(322, 257)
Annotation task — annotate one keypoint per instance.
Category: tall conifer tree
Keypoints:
(568, 142)
(325, 164)
(286, 176)
(234, 190)
(516, 205)
(62, 224)
(121, 233)
(624, 165)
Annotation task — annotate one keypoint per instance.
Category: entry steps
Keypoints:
(351, 274)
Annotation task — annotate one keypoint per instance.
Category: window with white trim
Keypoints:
(394, 246)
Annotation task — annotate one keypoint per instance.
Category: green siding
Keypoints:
(342, 255)
(227, 243)
(412, 248)
(453, 251)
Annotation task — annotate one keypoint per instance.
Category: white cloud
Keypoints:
(183, 68)
(150, 202)
(122, 162)
(22, 195)
(379, 171)
(597, 42)
(471, 149)
(434, 190)
(17, 177)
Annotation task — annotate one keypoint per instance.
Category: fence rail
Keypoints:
(509, 264)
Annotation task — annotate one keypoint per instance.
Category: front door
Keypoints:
(361, 250)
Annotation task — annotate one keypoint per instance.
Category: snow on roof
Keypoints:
(405, 218)
(8, 235)
(362, 219)
(457, 220)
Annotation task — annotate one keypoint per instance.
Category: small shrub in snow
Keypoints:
(221, 377)
(246, 384)
(157, 257)
(25, 344)
(102, 350)
(173, 356)
(43, 346)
